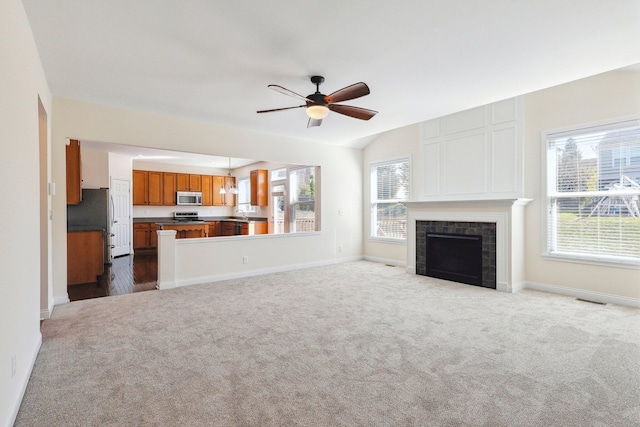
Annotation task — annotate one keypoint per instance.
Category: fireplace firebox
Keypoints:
(456, 242)
(456, 257)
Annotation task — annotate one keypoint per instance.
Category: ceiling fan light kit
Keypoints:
(317, 112)
(318, 105)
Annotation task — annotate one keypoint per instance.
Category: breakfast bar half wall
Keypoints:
(183, 262)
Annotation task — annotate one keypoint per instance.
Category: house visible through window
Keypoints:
(593, 193)
(295, 195)
(389, 188)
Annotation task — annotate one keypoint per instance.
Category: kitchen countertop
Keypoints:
(169, 220)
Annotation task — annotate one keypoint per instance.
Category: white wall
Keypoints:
(605, 96)
(341, 174)
(22, 81)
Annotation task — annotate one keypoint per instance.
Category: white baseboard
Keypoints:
(46, 313)
(395, 262)
(25, 380)
(61, 299)
(255, 272)
(583, 294)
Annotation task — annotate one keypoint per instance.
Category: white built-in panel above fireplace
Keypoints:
(475, 154)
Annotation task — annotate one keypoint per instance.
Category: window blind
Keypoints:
(389, 188)
(593, 192)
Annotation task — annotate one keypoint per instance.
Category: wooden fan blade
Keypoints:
(288, 92)
(355, 112)
(346, 93)
(313, 122)
(280, 109)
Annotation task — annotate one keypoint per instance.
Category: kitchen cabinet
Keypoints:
(147, 187)
(85, 255)
(145, 236)
(207, 190)
(169, 189)
(218, 183)
(74, 173)
(260, 227)
(259, 187)
(188, 182)
(213, 228)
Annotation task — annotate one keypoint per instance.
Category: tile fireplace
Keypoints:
(499, 223)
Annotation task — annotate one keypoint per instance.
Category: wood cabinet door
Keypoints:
(74, 173)
(259, 187)
(169, 189)
(207, 190)
(85, 252)
(182, 182)
(261, 227)
(153, 236)
(140, 187)
(154, 190)
(195, 182)
(218, 183)
(141, 236)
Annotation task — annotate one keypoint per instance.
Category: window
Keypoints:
(389, 188)
(295, 196)
(244, 195)
(593, 193)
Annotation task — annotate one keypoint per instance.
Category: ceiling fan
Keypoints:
(318, 104)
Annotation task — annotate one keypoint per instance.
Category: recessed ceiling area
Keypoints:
(212, 60)
(168, 156)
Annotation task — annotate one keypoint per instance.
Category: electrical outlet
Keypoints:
(245, 259)
(13, 366)
(340, 248)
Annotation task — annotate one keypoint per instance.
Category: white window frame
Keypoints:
(548, 191)
(244, 204)
(373, 198)
(287, 193)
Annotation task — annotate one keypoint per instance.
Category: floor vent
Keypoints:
(390, 265)
(592, 302)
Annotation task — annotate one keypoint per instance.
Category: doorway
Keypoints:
(120, 217)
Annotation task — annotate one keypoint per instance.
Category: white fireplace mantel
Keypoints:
(507, 214)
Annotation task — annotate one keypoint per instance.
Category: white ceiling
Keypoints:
(211, 60)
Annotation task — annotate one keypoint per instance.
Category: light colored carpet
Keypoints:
(355, 344)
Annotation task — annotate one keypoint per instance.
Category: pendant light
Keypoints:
(230, 188)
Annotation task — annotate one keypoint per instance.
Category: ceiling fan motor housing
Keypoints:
(317, 98)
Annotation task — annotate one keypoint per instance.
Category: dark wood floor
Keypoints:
(126, 275)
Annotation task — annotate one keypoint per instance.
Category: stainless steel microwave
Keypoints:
(189, 198)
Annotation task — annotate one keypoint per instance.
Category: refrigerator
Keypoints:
(95, 211)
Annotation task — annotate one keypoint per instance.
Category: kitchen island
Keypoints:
(203, 227)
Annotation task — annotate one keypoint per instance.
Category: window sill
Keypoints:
(599, 261)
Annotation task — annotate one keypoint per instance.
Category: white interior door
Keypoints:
(120, 194)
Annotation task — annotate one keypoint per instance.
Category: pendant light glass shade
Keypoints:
(230, 188)
(317, 112)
